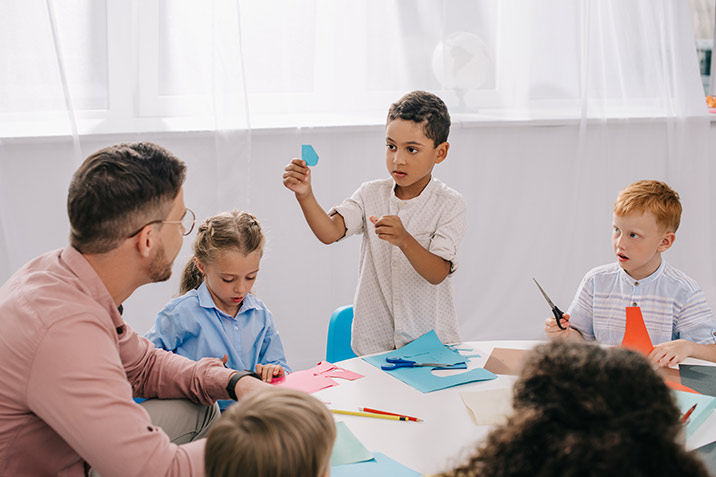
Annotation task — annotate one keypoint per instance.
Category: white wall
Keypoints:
(536, 208)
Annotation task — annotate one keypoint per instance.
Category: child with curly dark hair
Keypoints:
(582, 410)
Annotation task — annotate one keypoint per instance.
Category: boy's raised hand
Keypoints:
(297, 177)
(269, 371)
(670, 353)
(390, 228)
(552, 330)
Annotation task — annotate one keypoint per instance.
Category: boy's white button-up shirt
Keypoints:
(393, 304)
(672, 304)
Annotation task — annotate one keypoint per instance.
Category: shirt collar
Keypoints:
(206, 301)
(422, 197)
(78, 264)
(644, 281)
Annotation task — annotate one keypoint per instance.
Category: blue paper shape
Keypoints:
(347, 449)
(705, 406)
(429, 349)
(380, 466)
(309, 155)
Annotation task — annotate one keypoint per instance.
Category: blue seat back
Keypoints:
(338, 344)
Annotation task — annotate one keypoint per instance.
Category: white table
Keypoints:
(447, 436)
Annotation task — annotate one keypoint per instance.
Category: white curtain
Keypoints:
(556, 105)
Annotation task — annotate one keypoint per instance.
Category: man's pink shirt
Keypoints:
(69, 367)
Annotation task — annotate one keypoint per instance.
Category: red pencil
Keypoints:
(688, 413)
(376, 411)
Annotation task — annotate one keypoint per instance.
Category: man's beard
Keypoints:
(160, 269)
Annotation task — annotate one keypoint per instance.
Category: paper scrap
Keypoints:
(506, 361)
(316, 378)
(380, 466)
(347, 448)
(489, 407)
(636, 336)
(429, 349)
(309, 155)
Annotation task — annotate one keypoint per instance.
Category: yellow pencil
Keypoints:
(370, 414)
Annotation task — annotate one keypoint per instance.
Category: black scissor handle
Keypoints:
(558, 315)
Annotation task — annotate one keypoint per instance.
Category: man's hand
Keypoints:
(248, 385)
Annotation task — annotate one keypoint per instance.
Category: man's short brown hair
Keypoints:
(117, 190)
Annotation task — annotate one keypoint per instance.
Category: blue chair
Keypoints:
(338, 344)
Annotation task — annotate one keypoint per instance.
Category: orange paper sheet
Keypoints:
(636, 337)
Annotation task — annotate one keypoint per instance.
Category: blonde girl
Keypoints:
(217, 314)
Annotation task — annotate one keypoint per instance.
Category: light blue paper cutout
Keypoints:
(309, 155)
(348, 449)
(429, 349)
(704, 408)
(381, 466)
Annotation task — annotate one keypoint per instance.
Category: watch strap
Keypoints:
(231, 387)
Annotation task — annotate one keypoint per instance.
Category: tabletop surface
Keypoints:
(447, 436)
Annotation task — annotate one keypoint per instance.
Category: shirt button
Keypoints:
(236, 328)
(395, 264)
(636, 284)
(395, 300)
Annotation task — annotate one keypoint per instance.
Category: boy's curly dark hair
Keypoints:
(582, 410)
(426, 109)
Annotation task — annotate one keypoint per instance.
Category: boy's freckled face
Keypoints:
(231, 278)
(410, 156)
(638, 241)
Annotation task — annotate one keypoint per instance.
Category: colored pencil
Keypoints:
(688, 413)
(369, 414)
(376, 411)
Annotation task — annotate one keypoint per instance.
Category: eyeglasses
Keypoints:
(188, 220)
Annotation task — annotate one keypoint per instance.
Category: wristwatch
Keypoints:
(231, 387)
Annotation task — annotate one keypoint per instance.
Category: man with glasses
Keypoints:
(71, 365)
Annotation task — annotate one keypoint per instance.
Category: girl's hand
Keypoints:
(269, 371)
(670, 353)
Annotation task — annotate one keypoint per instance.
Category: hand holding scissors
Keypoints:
(398, 362)
(558, 314)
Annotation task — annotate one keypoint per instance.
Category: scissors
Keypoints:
(398, 362)
(558, 314)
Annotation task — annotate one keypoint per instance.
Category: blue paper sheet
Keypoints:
(348, 449)
(381, 466)
(704, 408)
(429, 349)
(309, 155)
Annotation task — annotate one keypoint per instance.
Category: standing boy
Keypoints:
(412, 225)
(677, 317)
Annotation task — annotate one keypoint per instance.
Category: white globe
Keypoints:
(462, 61)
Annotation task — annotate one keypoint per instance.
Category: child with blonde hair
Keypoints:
(272, 433)
(677, 317)
(217, 314)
